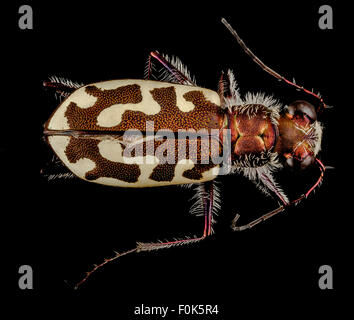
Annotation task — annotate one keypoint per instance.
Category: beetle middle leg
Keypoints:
(173, 70)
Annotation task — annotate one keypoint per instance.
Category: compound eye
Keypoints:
(301, 108)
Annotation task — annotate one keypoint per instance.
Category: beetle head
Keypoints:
(299, 135)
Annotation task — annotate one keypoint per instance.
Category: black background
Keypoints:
(62, 228)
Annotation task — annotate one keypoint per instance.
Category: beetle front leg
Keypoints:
(256, 221)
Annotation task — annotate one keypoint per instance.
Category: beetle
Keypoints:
(180, 133)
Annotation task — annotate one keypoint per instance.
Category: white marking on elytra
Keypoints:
(80, 167)
(111, 149)
(112, 116)
(82, 100)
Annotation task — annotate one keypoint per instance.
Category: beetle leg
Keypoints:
(55, 169)
(149, 69)
(282, 207)
(174, 70)
(63, 87)
(105, 261)
(209, 198)
(228, 90)
(254, 222)
(268, 181)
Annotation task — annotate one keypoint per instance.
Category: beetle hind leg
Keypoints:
(56, 170)
(208, 196)
(208, 201)
(61, 86)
